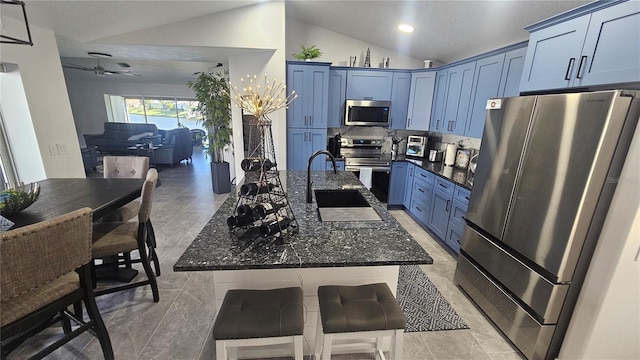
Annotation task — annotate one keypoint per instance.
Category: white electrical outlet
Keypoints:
(53, 150)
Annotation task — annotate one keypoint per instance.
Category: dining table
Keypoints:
(63, 195)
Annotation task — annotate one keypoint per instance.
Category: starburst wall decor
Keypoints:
(260, 100)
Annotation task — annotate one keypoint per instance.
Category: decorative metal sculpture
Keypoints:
(262, 201)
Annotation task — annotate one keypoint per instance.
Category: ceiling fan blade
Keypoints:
(77, 67)
(121, 72)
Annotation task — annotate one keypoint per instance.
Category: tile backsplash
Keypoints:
(387, 134)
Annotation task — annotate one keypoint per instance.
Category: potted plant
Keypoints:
(308, 53)
(212, 92)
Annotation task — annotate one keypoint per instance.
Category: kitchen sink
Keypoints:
(344, 205)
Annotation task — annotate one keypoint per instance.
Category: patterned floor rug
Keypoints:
(423, 305)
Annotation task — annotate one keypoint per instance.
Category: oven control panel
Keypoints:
(358, 142)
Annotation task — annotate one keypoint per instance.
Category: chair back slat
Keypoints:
(135, 167)
(33, 255)
(146, 198)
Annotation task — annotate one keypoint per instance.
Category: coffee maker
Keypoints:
(333, 146)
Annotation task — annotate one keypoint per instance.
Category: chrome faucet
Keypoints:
(309, 182)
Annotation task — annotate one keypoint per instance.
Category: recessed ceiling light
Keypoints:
(405, 28)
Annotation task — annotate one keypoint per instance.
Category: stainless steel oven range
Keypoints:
(367, 153)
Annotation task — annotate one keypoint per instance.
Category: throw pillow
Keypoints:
(140, 136)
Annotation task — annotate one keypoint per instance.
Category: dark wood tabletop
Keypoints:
(61, 196)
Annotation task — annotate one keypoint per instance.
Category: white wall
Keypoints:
(336, 48)
(606, 320)
(47, 103)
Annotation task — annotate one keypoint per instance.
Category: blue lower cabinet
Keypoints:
(397, 183)
(458, 213)
(454, 237)
(408, 185)
(439, 214)
(420, 210)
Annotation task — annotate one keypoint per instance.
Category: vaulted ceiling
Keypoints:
(444, 30)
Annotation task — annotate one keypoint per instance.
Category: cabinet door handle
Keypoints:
(566, 75)
(408, 121)
(443, 185)
(437, 124)
(419, 209)
(466, 197)
(422, 191)
(582, 59)
(311, 120)
(448, 203)
(305, 122)
(305, 136)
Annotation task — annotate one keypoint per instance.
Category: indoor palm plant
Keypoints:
(212, 92)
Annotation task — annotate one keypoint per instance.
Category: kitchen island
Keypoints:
(320, 253)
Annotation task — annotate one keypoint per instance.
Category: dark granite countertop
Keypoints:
(458, 176)
(316, 244)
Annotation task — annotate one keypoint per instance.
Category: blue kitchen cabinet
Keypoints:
(307, 115)
(486, 85)
(301, 144)
(457, 98)
(451, 100)
(408, 186)
(457, 215)
(439, 99)
(337, 97)
(454, 238)
(339, 164)
(311, 83)
(369, 85)
(441, 201)
(420, 100)
(397, 183)
(400, 99)
(421, 199)
(597, 48)
(512, 72)
(439, 214)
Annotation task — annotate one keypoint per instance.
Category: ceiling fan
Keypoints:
(98, 69)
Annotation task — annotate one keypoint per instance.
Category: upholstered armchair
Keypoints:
(176, 146)
(44, 269)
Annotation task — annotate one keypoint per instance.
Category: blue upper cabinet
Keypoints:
(369, 85)
(593, 49)
(485, 86)
(400, 99)
(311, 83)
(439, 100)
(511, 72)
(420, 100)
(611, 52)
(337, 97)
(451, 100)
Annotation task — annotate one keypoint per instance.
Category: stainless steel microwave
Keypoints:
(367, 113)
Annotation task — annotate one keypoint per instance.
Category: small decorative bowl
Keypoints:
(18, 198)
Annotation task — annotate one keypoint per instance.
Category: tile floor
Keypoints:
(179, 326)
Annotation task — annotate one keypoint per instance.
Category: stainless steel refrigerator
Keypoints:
(546, 173)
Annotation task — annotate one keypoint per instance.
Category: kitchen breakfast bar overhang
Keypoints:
(319, 253)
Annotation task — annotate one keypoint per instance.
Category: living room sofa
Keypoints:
(118, 136)
(176, 146)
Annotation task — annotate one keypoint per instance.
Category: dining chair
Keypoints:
(44, 269)
(111, 239)
(135, 167)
